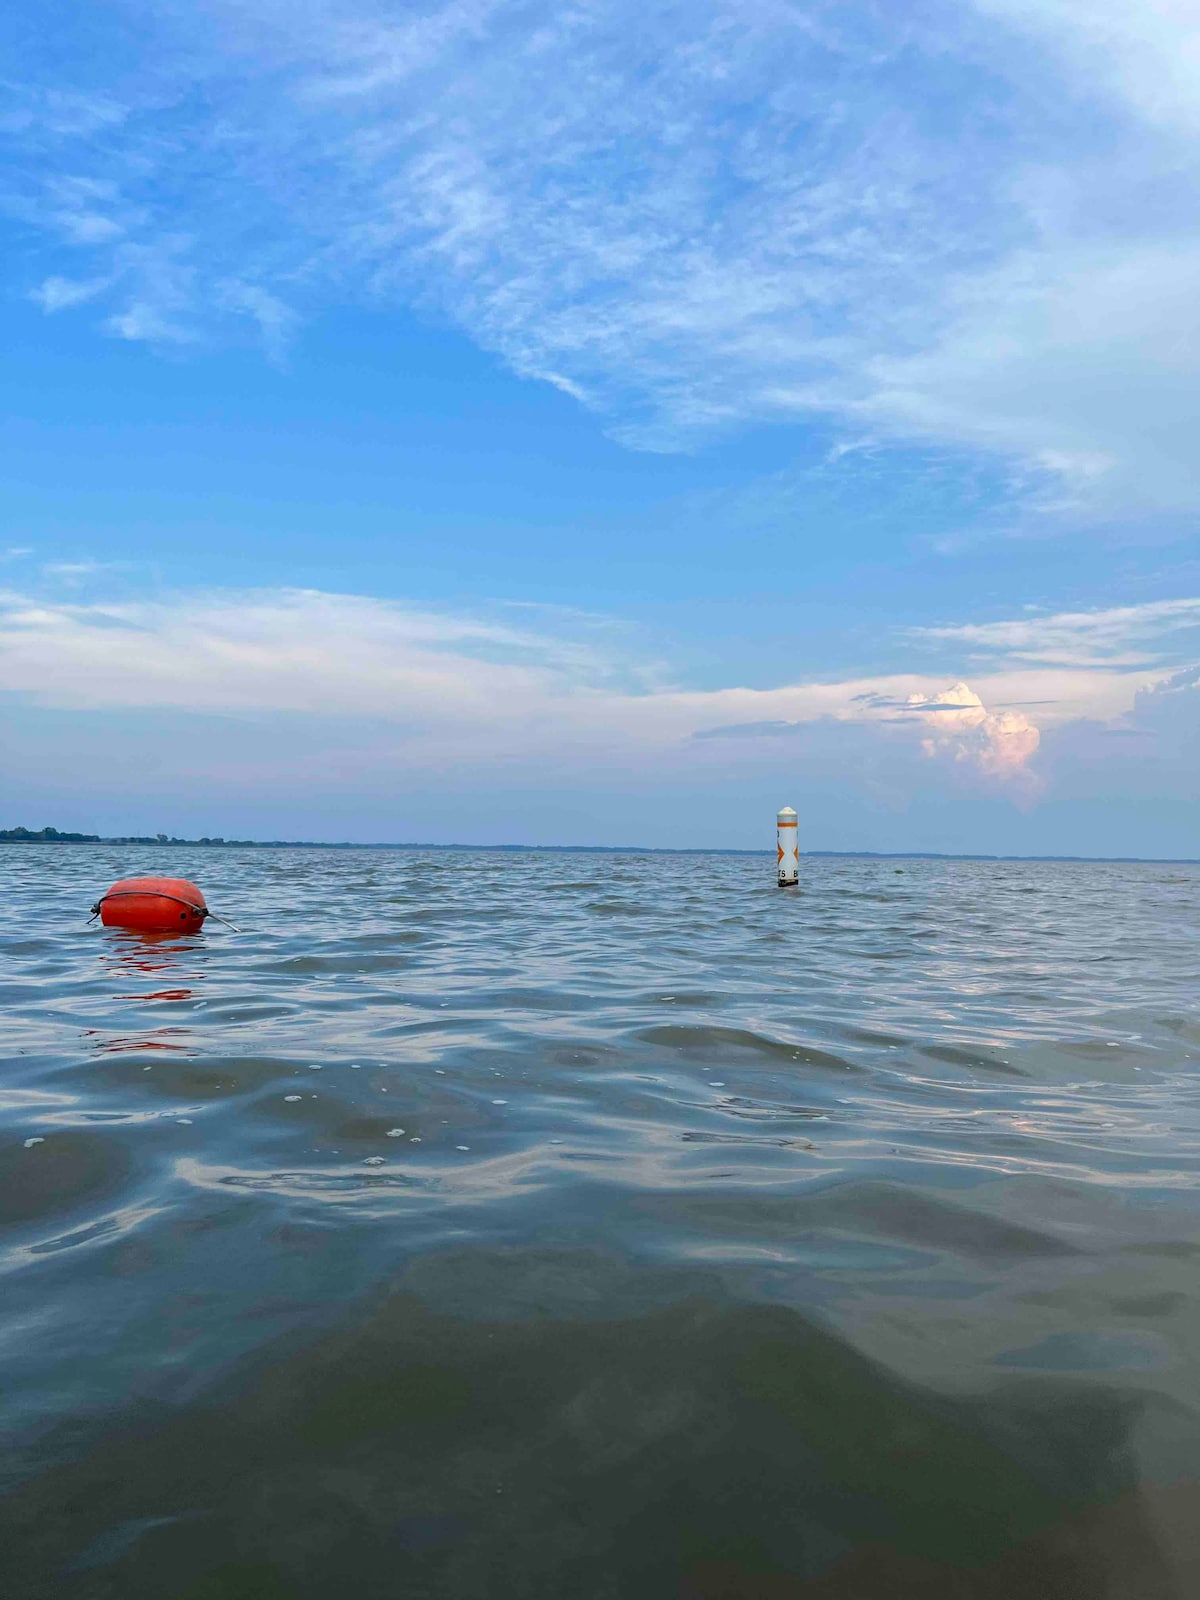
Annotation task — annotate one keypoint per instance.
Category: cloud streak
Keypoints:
(1119, 638)
(977, 225)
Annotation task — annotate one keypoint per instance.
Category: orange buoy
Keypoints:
(153, 905)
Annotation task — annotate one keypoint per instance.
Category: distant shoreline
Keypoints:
(51, 836)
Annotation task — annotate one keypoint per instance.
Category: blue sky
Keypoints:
(514, 422)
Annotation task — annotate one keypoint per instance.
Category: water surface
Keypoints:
(614, 1227)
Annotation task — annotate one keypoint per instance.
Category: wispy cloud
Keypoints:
(72, 574)
(45, 111)
(551, 695)
(57, 293)
(1146, 56)
(975, 225)
(1119, 638)
(275, 321)
(284, 650)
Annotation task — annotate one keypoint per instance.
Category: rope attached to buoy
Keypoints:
(144, 895)
(124, 894)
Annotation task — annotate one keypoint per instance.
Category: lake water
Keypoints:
(603, 1226)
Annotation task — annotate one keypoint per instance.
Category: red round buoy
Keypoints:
(153, 905)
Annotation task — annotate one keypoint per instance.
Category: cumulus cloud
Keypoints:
(953, 723)
(999, 743)
(974, 224)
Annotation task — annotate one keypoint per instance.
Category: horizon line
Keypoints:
(213, 843)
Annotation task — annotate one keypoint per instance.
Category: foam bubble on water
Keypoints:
(716, 1083)
(395, 1133)
(37, 1139)
(373, 1161)
(499, 1102)
(293, 1097)
(462, 1146)
(184, 1122)
(314, 1066)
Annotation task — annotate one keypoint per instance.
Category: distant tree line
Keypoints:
(54, 836)
(47, 836)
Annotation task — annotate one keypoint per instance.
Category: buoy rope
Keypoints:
(125, 894)
(201, 911)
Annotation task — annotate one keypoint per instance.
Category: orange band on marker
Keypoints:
(787, 824)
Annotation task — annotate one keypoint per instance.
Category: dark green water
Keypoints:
(604, 1227)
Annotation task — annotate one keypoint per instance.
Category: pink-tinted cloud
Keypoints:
(1000, 744)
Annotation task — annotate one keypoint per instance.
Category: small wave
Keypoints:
(700, 1040)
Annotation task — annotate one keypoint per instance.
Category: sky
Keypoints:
(509, 422)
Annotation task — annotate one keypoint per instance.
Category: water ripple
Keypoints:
(950, 1110)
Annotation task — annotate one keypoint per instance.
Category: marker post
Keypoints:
(789, 849)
